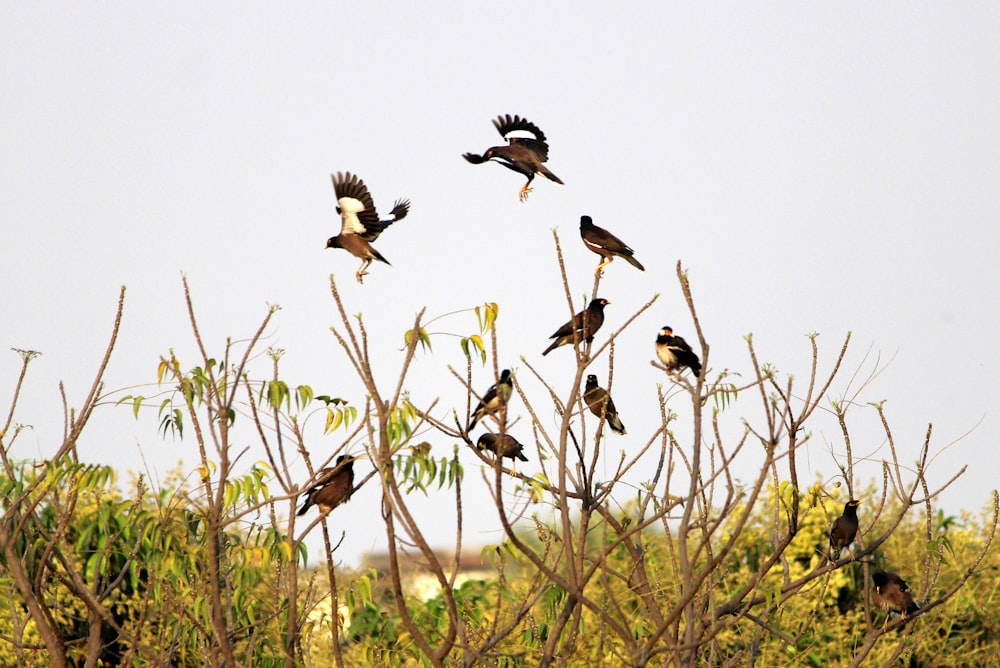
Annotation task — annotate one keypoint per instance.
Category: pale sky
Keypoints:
(816, 168)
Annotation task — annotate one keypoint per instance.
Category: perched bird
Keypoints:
(605, 244)
(893, 595)
(495, 398)
(601, 404)
(524, 155)
(359, 220)
(333, 486)
(675, 353)
(844, 529)
(504, 445)
(585, 324)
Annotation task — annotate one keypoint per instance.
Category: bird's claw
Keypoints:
(523, 195)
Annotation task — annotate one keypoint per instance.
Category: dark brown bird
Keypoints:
(333, 486)
(601, 404)
(844, 529)
(893, 595)
(605, 244)
(504, 445)
(675, 353)
(524, 155)
(495, 398)
(359, 222)
(585, 324)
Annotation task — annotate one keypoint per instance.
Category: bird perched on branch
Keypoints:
(844, 529)
(605, 244)
(359, 222)
(601, 404)
(893, 595)
(495, 398)
(503, 445)
(333, 486)
(523, 154)
(675, 353)
(585, 324)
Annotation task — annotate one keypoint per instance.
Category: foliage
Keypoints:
(688, 567)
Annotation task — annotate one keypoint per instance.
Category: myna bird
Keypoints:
(585, 324)
(503, 445)
(601, 404)
(360, 224)
(675, 353)
(893, 595)
(333, 486)
(605, 244)
(524, 155)
(844, 529)
(495, 398)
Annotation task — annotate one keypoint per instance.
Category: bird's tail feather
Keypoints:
(635, 263)
(547, 173)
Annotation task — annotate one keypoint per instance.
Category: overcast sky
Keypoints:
(816, 168)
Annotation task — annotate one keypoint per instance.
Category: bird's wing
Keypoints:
(567, 329)
(521, 131)
(677, 343)
(599, 238)
(357, 210)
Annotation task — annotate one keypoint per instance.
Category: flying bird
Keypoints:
(675, 353)
(524, 155)
(495, 398)
(893, 595)
(605, 244)
(504, 445)
(844, 529)
(360, 224)
(585, 324)
(601, 404)
(333, 486)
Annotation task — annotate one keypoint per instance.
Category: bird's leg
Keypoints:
(607, 260)
(523, 194)
(361, 271)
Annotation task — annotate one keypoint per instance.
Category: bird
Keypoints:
(504, 445)
(675, 353)
(360, 224)
(584, 324)
(495, 398)
(524, 155)
(605, 244)
(333, 486)
(844, 529)
(601, 404)
(893, 595)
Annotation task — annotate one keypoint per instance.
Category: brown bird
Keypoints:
(601, 405)
(844, 529)
(675, 353)
(584, 324)
(504, 445)
(893, 595)
(524, 155)
(333, 486)
(495, 398)
(359, 222)
(605, 244)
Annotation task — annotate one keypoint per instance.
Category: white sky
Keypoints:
(816, 168)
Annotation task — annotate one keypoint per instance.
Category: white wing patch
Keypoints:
(349, 210)
(520, 134)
